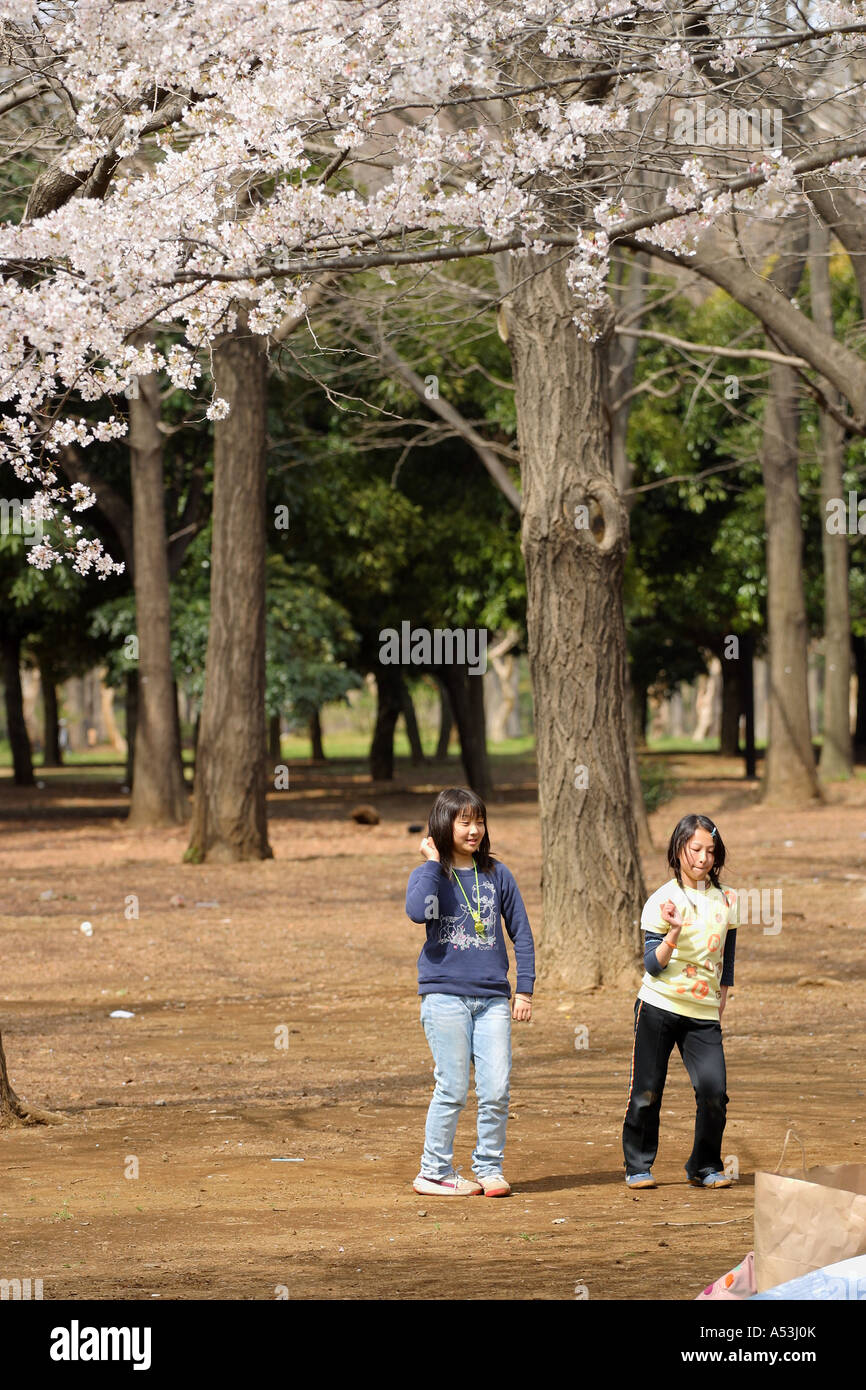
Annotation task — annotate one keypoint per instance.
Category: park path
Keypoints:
(275, 1018)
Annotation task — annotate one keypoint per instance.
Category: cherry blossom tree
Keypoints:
(208, 162)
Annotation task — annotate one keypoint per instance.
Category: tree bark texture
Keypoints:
(836, 761)
(159, 795)
(618, 379)
(622, 356)
(230, 807)
(790, 775)
(592, 880)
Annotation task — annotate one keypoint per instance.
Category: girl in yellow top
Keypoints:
(690, 936)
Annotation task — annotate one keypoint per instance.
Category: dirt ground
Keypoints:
(163, 1182)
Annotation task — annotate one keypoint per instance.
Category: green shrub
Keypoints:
(657, 783)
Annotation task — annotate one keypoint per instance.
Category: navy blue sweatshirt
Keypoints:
(455, 959)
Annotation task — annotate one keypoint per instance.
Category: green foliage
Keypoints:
(310, 642)
(309, 639)
(696, 571)
(400, 528)
(657, 783)
(49, 610)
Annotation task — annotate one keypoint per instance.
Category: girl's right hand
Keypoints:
(428, 849)
(671, 915)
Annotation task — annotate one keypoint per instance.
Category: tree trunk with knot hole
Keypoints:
(575, 537)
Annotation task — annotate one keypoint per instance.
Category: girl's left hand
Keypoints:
(521, 1010)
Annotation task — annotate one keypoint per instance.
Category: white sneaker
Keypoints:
(495, 1185)
(452, 1186)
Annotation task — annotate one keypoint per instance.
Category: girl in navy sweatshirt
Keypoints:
(464, 896)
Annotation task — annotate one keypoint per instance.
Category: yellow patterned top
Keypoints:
(690, 983)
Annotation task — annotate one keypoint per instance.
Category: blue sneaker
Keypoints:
(640, 1179)
(712, 1180)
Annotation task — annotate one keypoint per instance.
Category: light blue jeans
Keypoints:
(462, 1029)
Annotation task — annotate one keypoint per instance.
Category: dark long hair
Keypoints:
(680, 838)
(447, 806)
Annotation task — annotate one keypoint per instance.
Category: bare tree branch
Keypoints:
(452, 416)
(716, 349)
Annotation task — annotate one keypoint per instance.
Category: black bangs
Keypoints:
(446, 808)
(683, 832)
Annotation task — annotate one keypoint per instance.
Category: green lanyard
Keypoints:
(475, 915)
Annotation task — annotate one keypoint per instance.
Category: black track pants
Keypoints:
(700, 1045)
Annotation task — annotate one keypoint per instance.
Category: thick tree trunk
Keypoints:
(732, 705)
(617, 379)
(790, 775)
(411, 722)
(622, 356)
(53, 754)
(389, 704)
(19, 739)
(836, 762)
(466, 693)
(592, 880)
(317, 747)
(159, 795)
(446, 720)
(229, 807)
(13, 1110)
